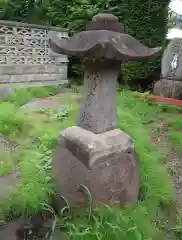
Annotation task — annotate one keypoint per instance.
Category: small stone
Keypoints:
(5, 92)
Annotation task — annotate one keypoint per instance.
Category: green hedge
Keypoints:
(147, 21)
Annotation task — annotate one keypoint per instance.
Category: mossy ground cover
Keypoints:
(38, 137)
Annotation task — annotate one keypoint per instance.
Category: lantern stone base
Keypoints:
(106, 164)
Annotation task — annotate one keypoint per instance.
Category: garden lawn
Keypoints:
(38, 138)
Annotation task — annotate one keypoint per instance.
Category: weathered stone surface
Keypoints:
(99, 156)
(98, 109)
(91, 149)
(170, 84)
(172, 61)
(115, 178)
(32, 69)
(26, 80)
(168, 88)
(106, 44)
(104, 38)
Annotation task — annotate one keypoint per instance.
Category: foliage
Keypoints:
(18, 10)
(10, 119)
(23, 95)
(61, 113)
(147, 21)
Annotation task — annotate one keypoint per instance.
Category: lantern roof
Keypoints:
(104, 38)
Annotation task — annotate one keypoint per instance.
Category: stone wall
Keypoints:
(25, 57)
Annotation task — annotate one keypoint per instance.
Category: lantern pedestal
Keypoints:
(92, 149)
(106, 163)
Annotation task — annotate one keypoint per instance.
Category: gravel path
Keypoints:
(173, 161)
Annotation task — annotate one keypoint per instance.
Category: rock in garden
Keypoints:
(170, 84)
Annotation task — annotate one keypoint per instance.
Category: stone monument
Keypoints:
(96, 155)
(170, 84)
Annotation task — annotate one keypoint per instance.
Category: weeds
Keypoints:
(12, 119)
(22, 96)
(61, 113)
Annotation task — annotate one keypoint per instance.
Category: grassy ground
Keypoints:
(37, 135)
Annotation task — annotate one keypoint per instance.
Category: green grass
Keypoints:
(23, 95)
(12, 119)
(40, 138)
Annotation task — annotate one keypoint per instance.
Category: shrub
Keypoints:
(147, 21)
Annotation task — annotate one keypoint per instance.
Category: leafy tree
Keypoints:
(147, 21)
(18, 10)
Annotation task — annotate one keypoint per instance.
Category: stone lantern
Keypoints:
(170, 84)
(96, 155)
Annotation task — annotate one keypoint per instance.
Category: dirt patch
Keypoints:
(8, 174)
(173, 159)
(173, 162)
(8, 231)
(30, 229)
(8, 184)
(42, 103)
(6, 145)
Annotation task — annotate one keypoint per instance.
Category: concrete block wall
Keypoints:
(26, 59)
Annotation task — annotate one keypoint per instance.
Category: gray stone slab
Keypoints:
(42, 103)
